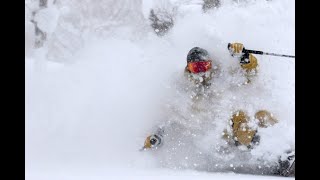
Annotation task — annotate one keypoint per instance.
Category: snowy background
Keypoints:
(99, 80)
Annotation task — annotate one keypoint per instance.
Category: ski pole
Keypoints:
(265, 53)
(262, 53)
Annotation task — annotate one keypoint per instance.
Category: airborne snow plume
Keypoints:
(99, 80)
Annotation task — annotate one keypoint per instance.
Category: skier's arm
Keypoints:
(247, 60)
(155, 139)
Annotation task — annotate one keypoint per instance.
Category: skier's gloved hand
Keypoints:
(235, 49)
(249, 62)
(152, 141)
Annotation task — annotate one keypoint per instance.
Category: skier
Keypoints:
(199, 71)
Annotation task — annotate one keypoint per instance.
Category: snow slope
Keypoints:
(104, 80)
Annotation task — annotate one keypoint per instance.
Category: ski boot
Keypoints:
(287, 164)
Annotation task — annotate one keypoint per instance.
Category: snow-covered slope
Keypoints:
(103, 80)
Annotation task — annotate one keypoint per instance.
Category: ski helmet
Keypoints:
(197, 54)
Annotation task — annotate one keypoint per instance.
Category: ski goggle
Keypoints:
(199, 66)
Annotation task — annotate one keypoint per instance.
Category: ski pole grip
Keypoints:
(251, 51)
